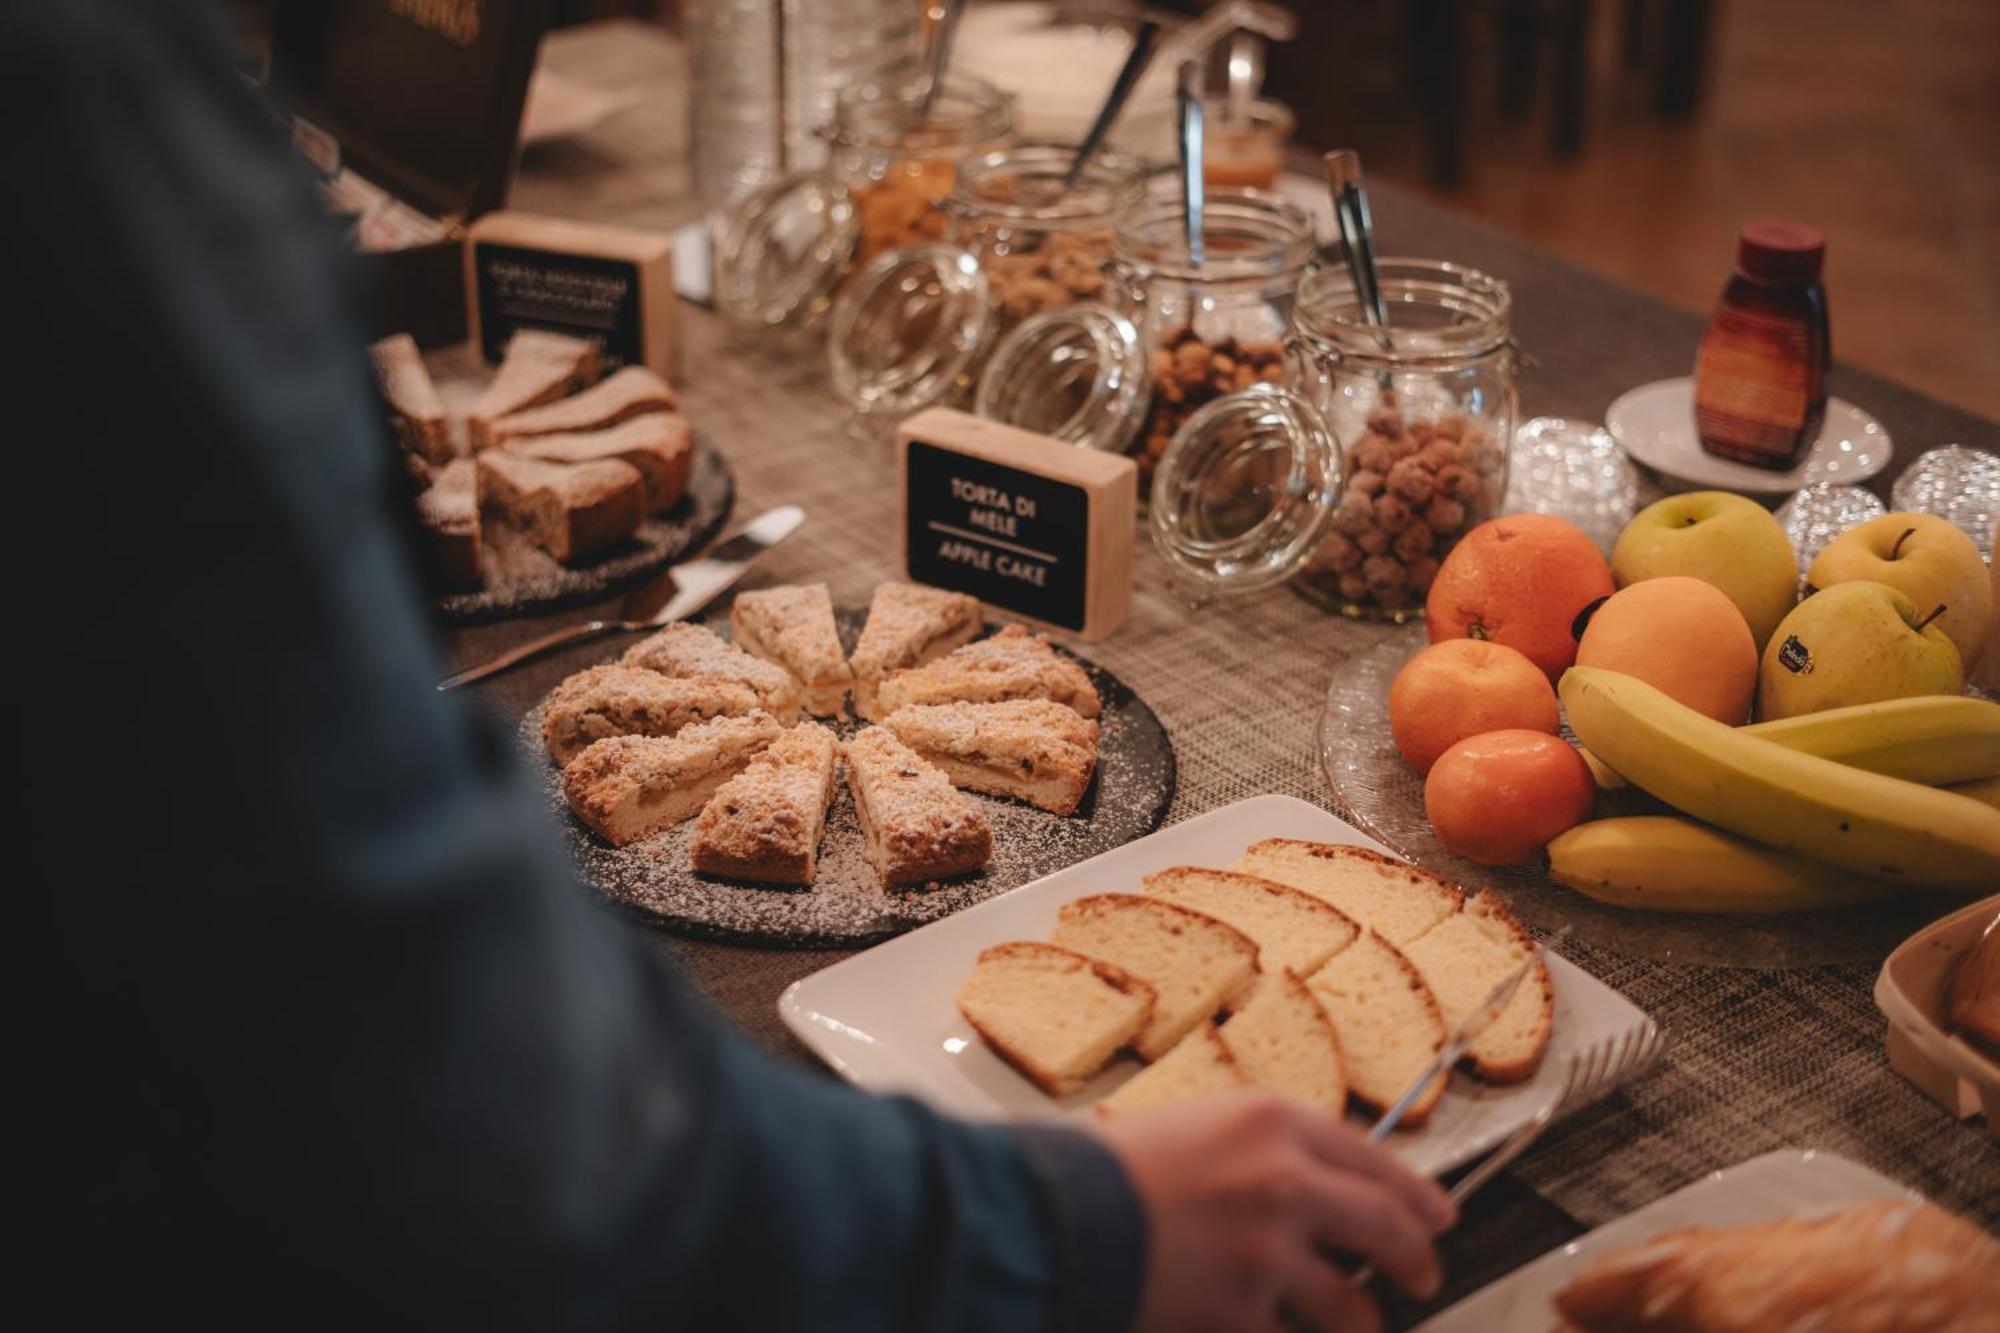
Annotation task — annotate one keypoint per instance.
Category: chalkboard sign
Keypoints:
(1023, 522)
(613, 286)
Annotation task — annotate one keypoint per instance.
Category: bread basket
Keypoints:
(1910, 994)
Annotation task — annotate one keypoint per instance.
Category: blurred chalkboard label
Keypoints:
(611, 285)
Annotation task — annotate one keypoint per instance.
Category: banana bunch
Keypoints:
(1775, 790)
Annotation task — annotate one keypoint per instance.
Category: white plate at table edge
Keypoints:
(886, 1019)
(1655, 425)
(1778, 1184)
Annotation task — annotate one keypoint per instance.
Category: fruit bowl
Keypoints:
(1376, 791)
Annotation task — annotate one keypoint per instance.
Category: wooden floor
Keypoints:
(1877, 122)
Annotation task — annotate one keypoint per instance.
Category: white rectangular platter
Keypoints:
(1764, 1189)
(887, 1018)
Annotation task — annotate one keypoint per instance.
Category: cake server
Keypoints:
(1461, 1038)
(676, 594)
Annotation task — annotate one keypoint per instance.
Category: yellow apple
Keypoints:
(1854, 643)
(1929, 559)
(1719, 538)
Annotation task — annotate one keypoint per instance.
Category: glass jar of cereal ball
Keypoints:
(1423, 409)
(1214, 327)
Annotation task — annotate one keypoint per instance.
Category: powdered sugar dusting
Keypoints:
(847, 904)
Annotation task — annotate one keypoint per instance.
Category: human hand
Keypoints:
(1245, 1198)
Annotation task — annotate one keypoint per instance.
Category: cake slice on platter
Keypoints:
(764, 824)
(693, 652)
(569, 510)
(1393, 898)
(1053, 1014)
(1462, 959)
(1196, 965)
(448, 513)
(1292, 929)
(630, 787)
(628, 392)
(619, 700)
(416, 412)
(538, 367)
(1284, 1043)
(916, 827)
(1387, 1023)
(1013, 664)
(1028, 749)
(792, 627)
(908, 625)
(1200, 1066)
(660, 446)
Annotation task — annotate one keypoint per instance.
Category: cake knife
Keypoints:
(676, 594)
(1462, 1037)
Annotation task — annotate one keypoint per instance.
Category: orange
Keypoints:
(1500, 796)
(1681, 635)
(1521, 580)
(1462, 687)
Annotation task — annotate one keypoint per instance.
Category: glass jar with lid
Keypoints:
(914, 325)
(1424, 409)
(783, 250)
(1210, 327)
(1357, 475)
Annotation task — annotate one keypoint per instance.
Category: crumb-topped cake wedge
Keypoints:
(916, 827)
(416, 412)
(764, 824)
(909, 625)
(538, 367)
(692, 652)
(660, 446)
(1013, 664)
(619, 700)
(625, 393)
(630, 787)
(792, 627)
(1030, 749)
(570, 511)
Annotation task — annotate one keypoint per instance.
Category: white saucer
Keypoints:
(1655, 423)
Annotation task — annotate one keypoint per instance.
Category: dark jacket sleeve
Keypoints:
(347, 1043)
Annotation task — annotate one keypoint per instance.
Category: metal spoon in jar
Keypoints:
(1357, 232)
(1144, 41)
(940, 55)
(1246, 76)
(1192, 190)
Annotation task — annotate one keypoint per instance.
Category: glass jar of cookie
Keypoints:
(1423, 410)
(1213, 327)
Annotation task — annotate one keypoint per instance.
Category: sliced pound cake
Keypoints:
(1291, 929)
(1392, 898)
(1284, 1043)
(1386, 1021)
(1462, 959)
(1200, 1066)
(1056, 1016)
(1195, 964)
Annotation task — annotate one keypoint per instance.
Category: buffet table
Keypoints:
(1762, 1059)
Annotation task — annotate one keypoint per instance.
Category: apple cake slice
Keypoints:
(1013, 664)
(569, 510)
(908, 625)
(692, 652)
(660, 446)
(620, 396)
(416, 412)
(916, 827)
(792, 627)
(619, 700)
(538, 367)
(630, 787)
(764, 824)
(1029, 749)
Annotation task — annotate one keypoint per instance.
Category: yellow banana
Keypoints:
(1986, 791)
(1864, 822)
(1935, 739)
(1606, 778)
(1662, 863)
